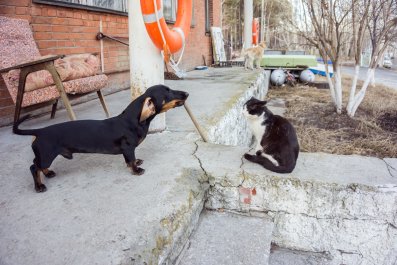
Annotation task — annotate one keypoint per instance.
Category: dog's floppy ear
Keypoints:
(148, 109)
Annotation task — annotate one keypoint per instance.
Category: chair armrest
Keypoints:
(40, 60)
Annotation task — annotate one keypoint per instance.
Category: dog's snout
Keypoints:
(186, 94)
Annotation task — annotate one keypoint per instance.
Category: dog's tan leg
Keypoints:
(48, 173)
(38, 182)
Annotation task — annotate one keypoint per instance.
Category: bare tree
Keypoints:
(360, 10)
(327, 22)
(381, 22)
(330, 25)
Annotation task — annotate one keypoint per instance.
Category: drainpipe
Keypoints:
(146, 62)
(248, 17)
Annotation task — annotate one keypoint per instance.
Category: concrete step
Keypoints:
(344, 205)
(283, 256)
(227, 238)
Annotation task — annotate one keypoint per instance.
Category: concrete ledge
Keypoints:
(344, 205)
(230, 127)
(218, 95)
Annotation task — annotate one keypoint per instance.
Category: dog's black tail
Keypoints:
(16, 130)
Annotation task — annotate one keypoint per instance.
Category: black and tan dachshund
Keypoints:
(117, 135)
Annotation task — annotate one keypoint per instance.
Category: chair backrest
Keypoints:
(17, 44)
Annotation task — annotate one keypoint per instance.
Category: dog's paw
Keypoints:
(49, 174)
(40, 188)
(138, 171)
(248, 156)
(138, 162)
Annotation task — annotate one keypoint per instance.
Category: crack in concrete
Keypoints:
(392, 225)
(350, 252)
(242, 162)
(199, 161)
(389, 168)
(242, 170)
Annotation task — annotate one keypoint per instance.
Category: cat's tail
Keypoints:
(266, 163)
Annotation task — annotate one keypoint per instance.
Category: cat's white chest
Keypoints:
(258, 130)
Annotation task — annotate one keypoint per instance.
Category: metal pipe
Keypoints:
(101, 36)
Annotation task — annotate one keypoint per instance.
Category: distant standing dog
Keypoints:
(117, 135)
(253, 56)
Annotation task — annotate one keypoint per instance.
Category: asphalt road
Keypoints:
(387, 77)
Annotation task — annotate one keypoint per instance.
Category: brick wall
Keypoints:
(61, 30)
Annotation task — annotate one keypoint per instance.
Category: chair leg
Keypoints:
(51, 68)
(21, 90)
(54, 109)
(102, 99)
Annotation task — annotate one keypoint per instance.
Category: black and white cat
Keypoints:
(277, 146)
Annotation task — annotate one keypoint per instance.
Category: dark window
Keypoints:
(169, 9)
(209, 20)
(108, 6)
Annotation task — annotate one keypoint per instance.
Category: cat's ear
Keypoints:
(260, 102)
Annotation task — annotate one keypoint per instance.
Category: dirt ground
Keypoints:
(372, 132)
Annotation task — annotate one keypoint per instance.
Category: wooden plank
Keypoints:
(42, 59)
(218, 45)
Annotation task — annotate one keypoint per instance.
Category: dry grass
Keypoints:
(372, 132)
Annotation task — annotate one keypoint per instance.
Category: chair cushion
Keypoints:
(77, 66)
(77, 86)
(69, 68)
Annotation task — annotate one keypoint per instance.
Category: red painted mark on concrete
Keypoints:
(253, 191)
(246, 191)
(245, 195)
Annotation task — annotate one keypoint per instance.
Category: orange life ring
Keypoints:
(255, 31)
(175, 38)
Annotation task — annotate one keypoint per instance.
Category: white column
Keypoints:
(146, 62)
(248, 17)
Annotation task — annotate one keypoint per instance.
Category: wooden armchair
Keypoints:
(32, 79)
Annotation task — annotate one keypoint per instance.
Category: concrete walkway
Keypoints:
(224, 238)
(96, 212)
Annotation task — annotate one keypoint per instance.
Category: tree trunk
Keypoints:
(353, 88)
(351, 111)
(338, 88)
(335, 86)
(372, 77)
